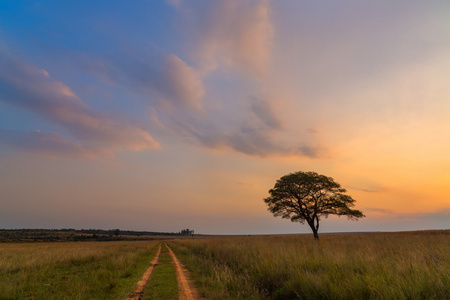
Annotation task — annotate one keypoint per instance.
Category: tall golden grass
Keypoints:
(340, 266)
(73, 270)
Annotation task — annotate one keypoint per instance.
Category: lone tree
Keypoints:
(307, 197)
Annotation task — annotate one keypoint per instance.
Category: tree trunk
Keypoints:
(314, 224)
(315, 229)
(316, 234)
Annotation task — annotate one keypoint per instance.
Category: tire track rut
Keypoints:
(139, 291)
(187, 291)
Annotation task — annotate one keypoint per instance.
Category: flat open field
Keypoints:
(73, 270)
(410, 265)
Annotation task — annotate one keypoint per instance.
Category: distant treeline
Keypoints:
(69, 234)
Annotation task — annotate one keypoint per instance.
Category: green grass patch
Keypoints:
(106, 270)
(165, 255)
(163, 282)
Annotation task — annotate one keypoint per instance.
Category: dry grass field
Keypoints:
(72, 270)
(410, 265)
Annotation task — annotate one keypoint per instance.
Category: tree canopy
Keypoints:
(307, 197)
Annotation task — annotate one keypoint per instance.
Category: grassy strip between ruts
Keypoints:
(349, 266)
(73, 270)
(163, 282)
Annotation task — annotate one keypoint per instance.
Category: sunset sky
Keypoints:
(164, 115)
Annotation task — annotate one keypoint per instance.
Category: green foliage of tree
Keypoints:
(307, 197)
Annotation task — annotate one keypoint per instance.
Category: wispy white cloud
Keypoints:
(187, 85)
(28, 87)
(162, 78)
(234, 37)
(231, 33)
(255, 132)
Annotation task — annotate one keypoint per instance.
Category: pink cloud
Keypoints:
(164, 78)
(233, 32)
(186, 83)
(30, 88)
(256, 132)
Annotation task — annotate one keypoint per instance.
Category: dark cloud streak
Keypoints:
(257, 134)
(48, 144)
(266, 114)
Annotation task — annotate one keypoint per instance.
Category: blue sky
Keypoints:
(161, 115)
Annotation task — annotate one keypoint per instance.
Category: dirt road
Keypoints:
(139, 291)
(186, 290)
